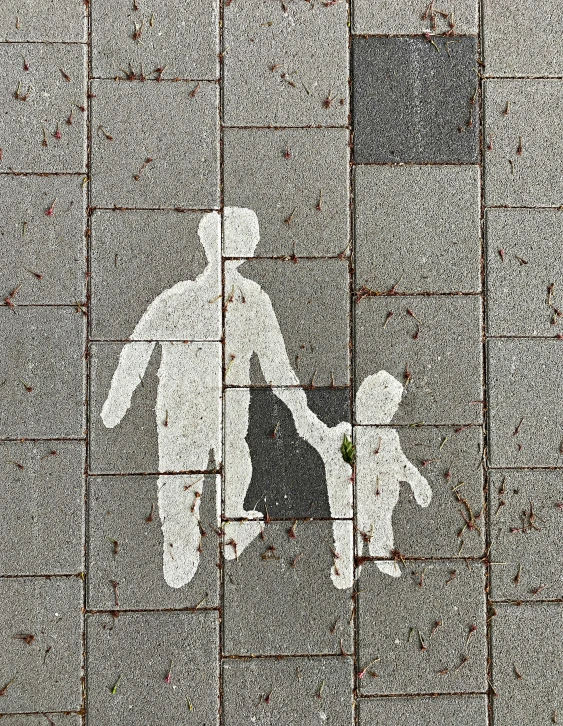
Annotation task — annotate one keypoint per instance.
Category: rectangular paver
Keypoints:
(41, 644)
(25, 20)
(414, 18)
(417, 227)
(424, 711)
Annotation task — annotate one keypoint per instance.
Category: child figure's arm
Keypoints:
(420, 487)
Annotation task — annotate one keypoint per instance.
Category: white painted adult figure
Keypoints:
(188, 406)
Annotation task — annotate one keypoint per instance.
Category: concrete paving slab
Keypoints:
(183, 40)
(526, 526)
(163, 663)
(46, 255)
(524, 272)
(58, 719)
(41, 644)
(415, 100)
(288, 692)
(522, 40)
(129, 271)
(285, 65)
(24, 20)
(397, 617)
(426, 350)
(279, 598)
(412, 18)
(524, 402)
(41, 386)
(132, 446)
(297, 173)
(174, 127)
(42, 517)
(523, 127)
(526, 655)
(419, 225)
(450, 461)
(424, 711)
(38, 103)
(124, 510)
(311, 303)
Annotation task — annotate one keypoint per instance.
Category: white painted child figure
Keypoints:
(380, 467)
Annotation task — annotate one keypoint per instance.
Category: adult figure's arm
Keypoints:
(133, 361)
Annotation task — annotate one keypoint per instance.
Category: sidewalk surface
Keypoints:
(404, 163)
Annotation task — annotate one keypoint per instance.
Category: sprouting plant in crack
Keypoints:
(348, 450)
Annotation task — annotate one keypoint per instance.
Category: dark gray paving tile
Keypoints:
(450, 461)
(164, 122)
(131, 446)
(297, 172)
(129, 270)
(64, 20)
(46, 672)
(279, 597)
(45, 101)
(288, 692)
(285, 65)
(526, 664)
(41, 516)
(523, 127)
(396, 620)
(43, 351)
(182, 40)
(440, 365)
(119, 508)
(524, 272)
(143, 664)
(522, 39)
(525, 419)
(415, 100)
(418, 228)
(526, 521)
(46, 255)
(411, 17)
(310, 300)
(424, 711)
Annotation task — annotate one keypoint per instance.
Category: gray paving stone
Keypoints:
(408, 17)
(311, 303)
(184, 40)
(447, 458)
(279, 173)
(41, 516)
(132, 446)
(118, 510)
(522, 40)
(525, 413)
(288, 692)
(444, 362)
(46, 672)
(424, 711)
(288, 475)
(415, 100)
(135, 257)
(526, 520)
(396, 619)
(279, 597)
(522, 168)
(141, 652)
(179, 132)
(25, 20)
(306, 44)
(30, 127)
(46, 255)
(418, 226)
(524, 272)
(526, 641)
(43, 351)
(58, 719)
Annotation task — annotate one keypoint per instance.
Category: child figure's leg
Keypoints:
(381, 542)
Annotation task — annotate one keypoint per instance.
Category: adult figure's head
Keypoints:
(241, 232)
(209, 232)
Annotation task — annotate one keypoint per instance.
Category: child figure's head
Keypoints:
(378, 398)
